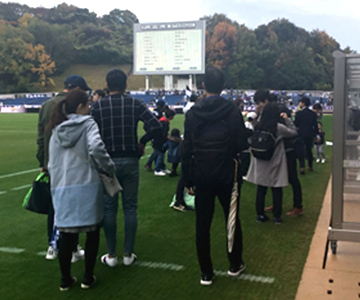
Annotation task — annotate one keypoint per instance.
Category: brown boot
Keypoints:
(295, 212)
(269, 209)
(148, 168)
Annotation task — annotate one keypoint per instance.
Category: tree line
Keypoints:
(38, 43)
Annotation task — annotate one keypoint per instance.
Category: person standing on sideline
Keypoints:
(158, 112)
(319, 145)
(98, 94)
(76, 152)
(72, 83)
(117, 116)
(213, 136)
(306, 122)
(173, 148)
(291, 160)
(158, 144)
(273, 172)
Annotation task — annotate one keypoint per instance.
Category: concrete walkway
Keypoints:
(340, 279)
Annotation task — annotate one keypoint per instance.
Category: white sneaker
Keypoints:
(51, 254)
(129, 260)
(318, 160)
(110, 261)
(159, 173)
(79, 254)
(323, 161)
(166, 171)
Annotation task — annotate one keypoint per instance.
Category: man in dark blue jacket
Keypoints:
(306, 122)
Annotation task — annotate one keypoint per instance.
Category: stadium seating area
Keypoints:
(38, 101)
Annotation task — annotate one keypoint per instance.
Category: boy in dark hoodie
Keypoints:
(214, 135)
(158, 144)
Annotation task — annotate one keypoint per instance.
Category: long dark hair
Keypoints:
(269, 118)
(67, 106)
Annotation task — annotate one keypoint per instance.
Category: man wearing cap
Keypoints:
(72, 82)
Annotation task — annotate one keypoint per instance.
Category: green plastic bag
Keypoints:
(189, 200)
(38, 198)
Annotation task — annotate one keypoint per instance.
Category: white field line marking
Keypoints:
(142, 157)
(3, 192)
(249, 277)
(157, 265)
(21, 187)
(175, 267)
(21, 131)
(11, 250)
(19, 173)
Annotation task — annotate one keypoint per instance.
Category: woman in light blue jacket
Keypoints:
(76, 154)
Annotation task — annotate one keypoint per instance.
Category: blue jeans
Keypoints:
(127, 172)
(159, 163)
(152, 158)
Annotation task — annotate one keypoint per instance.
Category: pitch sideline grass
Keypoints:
(164, 236)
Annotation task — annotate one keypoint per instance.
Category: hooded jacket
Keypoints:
(159, 141)
(212, 109)
(273, 172)
(76, 152)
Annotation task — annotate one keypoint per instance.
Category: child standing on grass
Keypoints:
(319, 144)
(172, 146)
(158, 143)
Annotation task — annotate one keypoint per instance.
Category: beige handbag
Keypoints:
(111, 184)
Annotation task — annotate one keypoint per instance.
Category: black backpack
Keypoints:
(262, 144)
(212, 156)
(354, 119)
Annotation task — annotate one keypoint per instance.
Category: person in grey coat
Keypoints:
(271, 173)
(76, 153)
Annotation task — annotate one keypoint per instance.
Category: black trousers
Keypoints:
(50, 222)
(180, 191)
(174, 167)
(204, 205)
(277, 195)
(66, 242)
(293, 178)
(308, 142)
(245, 159)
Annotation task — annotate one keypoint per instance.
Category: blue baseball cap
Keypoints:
(160, 103)
(74, 81)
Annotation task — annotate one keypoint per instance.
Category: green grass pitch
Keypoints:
(167, 266)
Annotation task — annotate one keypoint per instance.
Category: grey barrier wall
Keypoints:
(345, 206)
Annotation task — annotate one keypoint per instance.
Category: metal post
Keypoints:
(339, 139)
(168, 82)
(146, 83)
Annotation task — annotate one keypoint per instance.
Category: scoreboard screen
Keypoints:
(169, 48)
